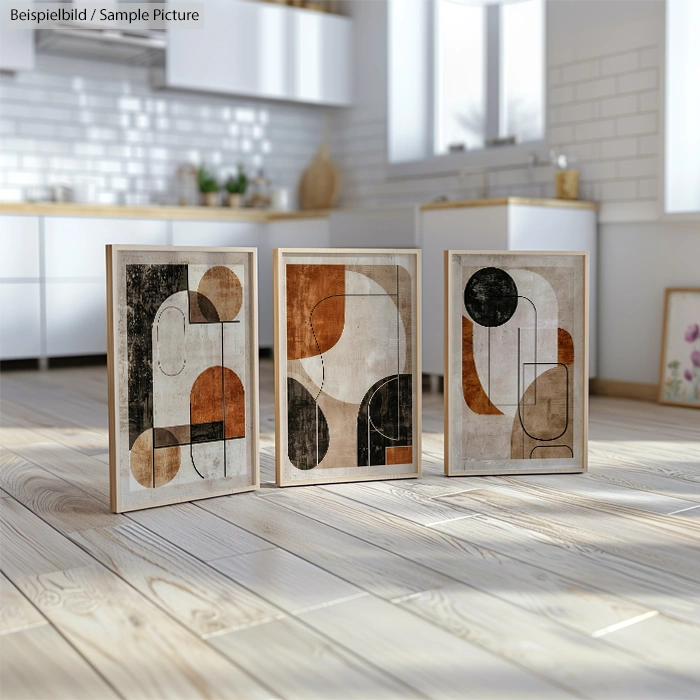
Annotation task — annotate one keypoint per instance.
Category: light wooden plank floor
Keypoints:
(533, 586)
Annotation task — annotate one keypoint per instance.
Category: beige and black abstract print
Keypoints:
(517, 333)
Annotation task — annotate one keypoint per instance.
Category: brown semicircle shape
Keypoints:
(153, 467)
(206, 397)
(141, 458)
(221, 286)
(474, 395)
(307, 287)
(214, 398)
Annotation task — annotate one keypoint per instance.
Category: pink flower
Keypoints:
(695, 357)
(693, 333)
(688, 375)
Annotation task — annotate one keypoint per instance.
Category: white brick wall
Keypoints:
(70, 120)
(603, 110)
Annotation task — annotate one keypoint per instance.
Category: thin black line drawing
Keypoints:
(519, 403)
(191, 452)
(323, 366)
(520, 415)
(223, 395)
(544, 447)
(184, 345)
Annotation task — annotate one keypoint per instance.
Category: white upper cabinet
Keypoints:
(257, 49)
(16, 45)
(321, 65)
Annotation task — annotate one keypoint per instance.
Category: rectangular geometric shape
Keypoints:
(207, 432)
(173, 435)
(399, 455)
(347, 365)
(183, 374)
(679, 382)
(516, 370)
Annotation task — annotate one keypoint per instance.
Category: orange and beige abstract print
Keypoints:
(186, 371)
(517, 343)
(349, 375)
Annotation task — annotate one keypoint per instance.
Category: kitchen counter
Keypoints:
(504, 201)
(116, 211)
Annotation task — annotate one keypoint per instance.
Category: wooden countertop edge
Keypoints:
(503, 201)
(114, 211)
(155, 212)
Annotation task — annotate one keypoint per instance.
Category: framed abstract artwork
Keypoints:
(182, 357)
(347, 365)
(679, 383)
(516, 365)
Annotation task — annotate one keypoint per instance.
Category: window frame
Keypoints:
(432, 164)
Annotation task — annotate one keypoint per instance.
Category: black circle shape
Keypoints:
(491, 297)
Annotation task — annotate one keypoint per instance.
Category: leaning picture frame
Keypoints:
(516, 362)
(182, 358)
(347, 365)
(679, 371)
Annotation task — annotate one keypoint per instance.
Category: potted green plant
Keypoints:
(208, 186)
(236, 186)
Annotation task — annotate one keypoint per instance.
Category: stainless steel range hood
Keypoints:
(116, 42)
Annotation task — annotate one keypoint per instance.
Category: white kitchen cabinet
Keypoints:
(19, 247)
(76, 318)
(20, 320)
(263, 50)
(75, 246)
(321, 53)
(515, 224)
(20, 287)
(16, 44)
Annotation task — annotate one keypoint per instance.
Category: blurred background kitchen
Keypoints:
(90, 114)
(393, 123)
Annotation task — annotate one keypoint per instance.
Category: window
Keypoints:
(682, 137)
(466, 77)
(460, 76)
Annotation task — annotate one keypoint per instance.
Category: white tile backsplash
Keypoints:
(72, 119)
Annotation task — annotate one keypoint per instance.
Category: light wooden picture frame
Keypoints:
(182, 359)
(679, 372)
(516, 362)
(347, 365)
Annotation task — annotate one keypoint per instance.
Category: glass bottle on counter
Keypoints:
(260, 196)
